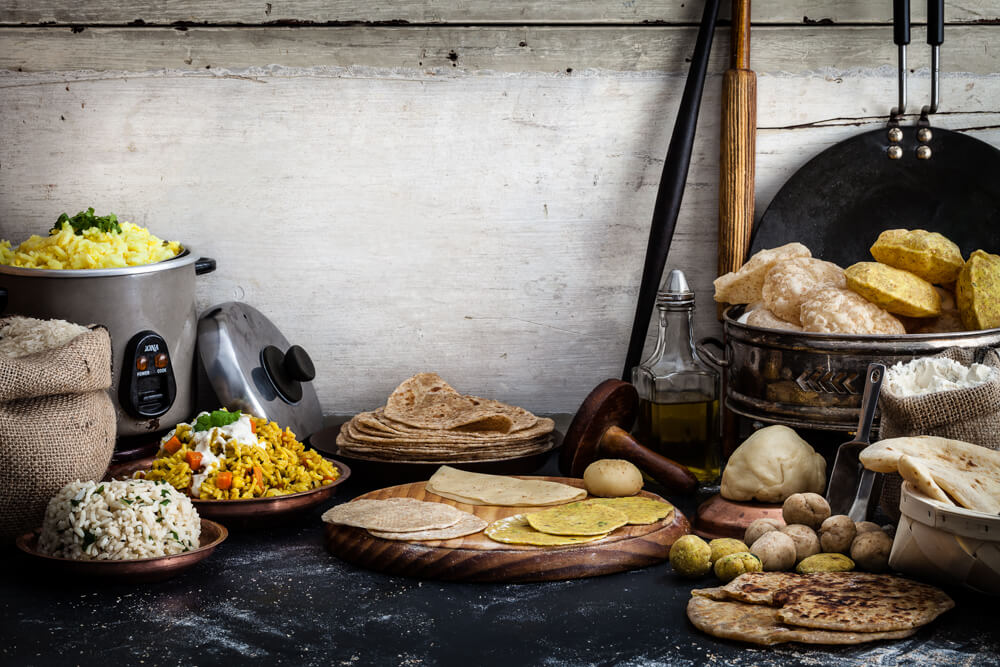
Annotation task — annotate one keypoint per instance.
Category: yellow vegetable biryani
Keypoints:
(86, 241)
(226, 455)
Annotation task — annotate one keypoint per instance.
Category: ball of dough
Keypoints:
(729, 567)
(612, 478)
(871, 551)
(724, 546)
(837, 533)
(759, 527)
(805, 538)
(809, 509)
(775, 550)
(771, 465)
(690, 556)
(865, 526)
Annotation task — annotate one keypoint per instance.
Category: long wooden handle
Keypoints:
(738, 145)
(617, 443)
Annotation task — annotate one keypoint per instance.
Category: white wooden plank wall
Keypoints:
(460, 187)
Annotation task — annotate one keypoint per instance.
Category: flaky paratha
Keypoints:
(759, 624)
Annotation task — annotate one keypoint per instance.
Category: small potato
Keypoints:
(871, 551)
(809, 509)
(775, 550)
(825, 563)
(612, 478)
(690, 556)
(805, 538)
(836, 534)
(759, 527)
(865, 526)
(724, 546)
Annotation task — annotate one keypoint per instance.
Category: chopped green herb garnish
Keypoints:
(176, 536)
(126, 501)
(159, 519)
(88, 538)
(86, 219)
(74, 502)
(164, 502)
(217, 418)
(99, 489)
(165, 493)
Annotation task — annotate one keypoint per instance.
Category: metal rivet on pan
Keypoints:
(895, 152)
(895, 135)
(924, 134)
(923, 152)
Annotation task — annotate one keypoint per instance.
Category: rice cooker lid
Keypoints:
(252, 367)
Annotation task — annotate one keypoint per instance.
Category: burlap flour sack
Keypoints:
(57, 425)
(971, 415)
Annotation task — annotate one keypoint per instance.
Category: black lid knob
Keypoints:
(288, 371)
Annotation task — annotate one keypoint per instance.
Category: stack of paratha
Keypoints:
(824, 608)
(426, 420)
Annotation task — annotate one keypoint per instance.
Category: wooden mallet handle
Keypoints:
(617, 443)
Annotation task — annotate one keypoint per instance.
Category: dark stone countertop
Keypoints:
(273, 595)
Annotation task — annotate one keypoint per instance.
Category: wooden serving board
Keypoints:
(478, 558)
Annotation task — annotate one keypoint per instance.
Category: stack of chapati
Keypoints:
(426, 420)
(405, 519)
(823, 608)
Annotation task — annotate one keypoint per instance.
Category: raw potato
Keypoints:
(871, 551)
(805, 538)
(612, 478)
(978, 291)
(724, 546)
(866, 526)
(787, 284)
(837, 533)
(899, 292)
(764, 318)
(690, 556)
(759, 527)
(809, 509)
(729, 567)
(825, 562)
(772, 464)
(929, 255)
(775, 550)
(744, 286)
(846, 312)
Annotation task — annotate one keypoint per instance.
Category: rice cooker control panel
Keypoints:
(147, 388)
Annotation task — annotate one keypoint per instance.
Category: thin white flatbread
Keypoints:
(394, 514)
(480, 489)
(467, 525)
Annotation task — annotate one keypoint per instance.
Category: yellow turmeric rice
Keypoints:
(90, 249)
(230, 455)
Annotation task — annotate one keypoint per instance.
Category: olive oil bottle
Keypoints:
(678, 392)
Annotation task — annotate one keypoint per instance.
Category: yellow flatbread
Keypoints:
(578, 519)
(480, 489)
(639, 509)
(516, 530)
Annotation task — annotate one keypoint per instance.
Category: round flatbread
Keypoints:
(639, 509)
(467, 525)
(516, 530)
(394, 514)
(580, 518)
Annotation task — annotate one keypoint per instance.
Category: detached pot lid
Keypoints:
(252, 367)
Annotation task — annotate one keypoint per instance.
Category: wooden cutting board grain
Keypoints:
(478, 558)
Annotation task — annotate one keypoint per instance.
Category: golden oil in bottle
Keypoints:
(685, 432)
(678, 392)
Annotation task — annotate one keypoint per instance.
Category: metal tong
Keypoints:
(853, 489)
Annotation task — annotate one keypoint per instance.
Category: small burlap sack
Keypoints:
(57, 425)
(971, 415)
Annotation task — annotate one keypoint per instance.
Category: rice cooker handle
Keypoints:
(3, 300)
(204, 265)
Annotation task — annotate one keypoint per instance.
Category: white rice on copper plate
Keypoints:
(119, 520)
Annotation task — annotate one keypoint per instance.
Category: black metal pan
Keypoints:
(896, 177)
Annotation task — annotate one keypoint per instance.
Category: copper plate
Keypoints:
(250, 508)
(141, 570)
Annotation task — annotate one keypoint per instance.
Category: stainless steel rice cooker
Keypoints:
(150, 313)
